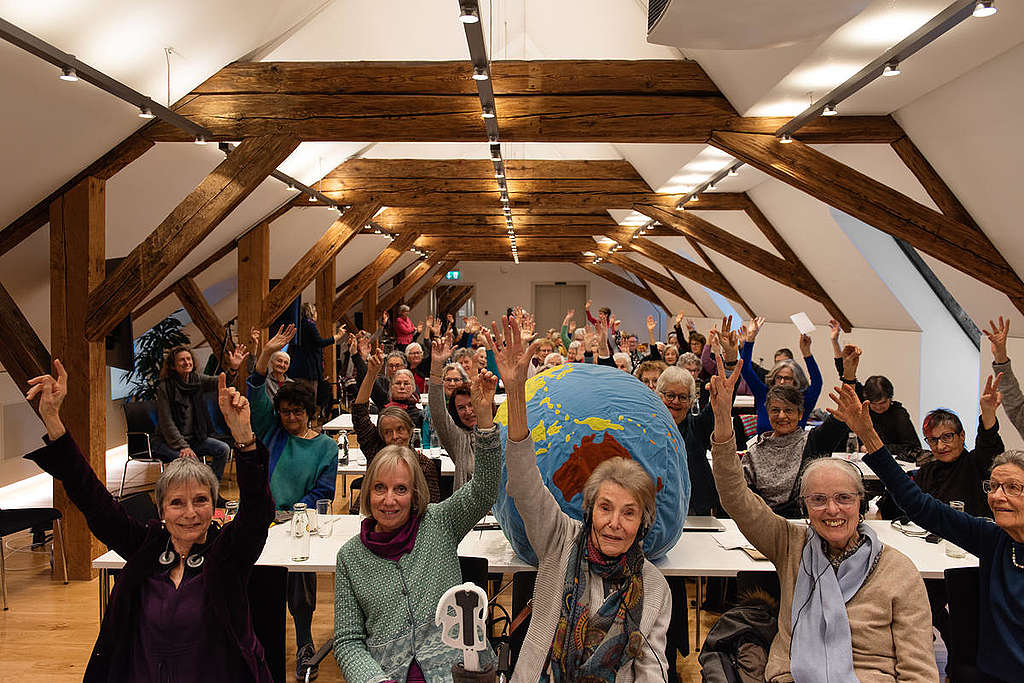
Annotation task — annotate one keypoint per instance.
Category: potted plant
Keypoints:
(150, 350)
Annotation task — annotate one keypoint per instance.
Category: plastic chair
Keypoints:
(139, 417)
(20, 519)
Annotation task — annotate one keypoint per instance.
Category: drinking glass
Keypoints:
(323, 510)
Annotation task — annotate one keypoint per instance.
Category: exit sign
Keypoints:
(452, 275)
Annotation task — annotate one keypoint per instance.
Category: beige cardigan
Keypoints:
(890, 620)
(551, 533)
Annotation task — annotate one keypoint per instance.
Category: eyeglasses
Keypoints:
(946, 438)
(1010, 488)
(673, 397)
(453, 380)
(287, 412)
(819, 501)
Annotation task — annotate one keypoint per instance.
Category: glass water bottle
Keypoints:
(300, 533)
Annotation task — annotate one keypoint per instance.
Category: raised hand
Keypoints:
(997, 336)
(512, 358)
(235, 409)
(568, 316)
(364, 346)
(51, 393)
(651, 324)
(384, 317)
(754, 327)
(481, 393)
(833, 335)
(853, 412)
(375, 362)
(236, 356)
(280, 340)
(721, 392)
(254, 338)
(805, 345)
(728, 340)
(991, 398)
(851, 358)
(353, 345)
(589, 304)
(440, 351)
(689, 325)
(340, 333)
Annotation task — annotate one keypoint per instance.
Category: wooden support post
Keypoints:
(22, 353)
(77, 242)
(253, 285)
(325, 280)
(203, 315)
(430, 282)
(370, 310)
(878, 205)
(190, 222)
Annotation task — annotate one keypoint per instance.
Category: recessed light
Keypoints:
(469, 16)
(786, 138)
(829, 110)
(891, 69)
(146, 113)
(985, 8)
(480, 74)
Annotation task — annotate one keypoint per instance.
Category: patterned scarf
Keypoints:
(591, 647)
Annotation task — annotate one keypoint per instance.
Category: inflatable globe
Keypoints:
(582, 414)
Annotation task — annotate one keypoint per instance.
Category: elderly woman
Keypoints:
(671, 354)
(1001, 575)
(404, 328)
(179, 611)
(419, 366)
(394, 428)
(850, 608)
(183, 421)
(593, 575)
(303, 469)
(390, 578)
(785, 372)
(277, 377)
(455, 431)
(648, 372)
(453, 377)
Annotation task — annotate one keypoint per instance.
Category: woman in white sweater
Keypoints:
(592, 578)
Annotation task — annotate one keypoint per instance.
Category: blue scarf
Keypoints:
(822, 649)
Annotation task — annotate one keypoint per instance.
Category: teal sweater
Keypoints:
(384, 610)
(301, 470)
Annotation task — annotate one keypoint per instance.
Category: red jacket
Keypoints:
(404, 330)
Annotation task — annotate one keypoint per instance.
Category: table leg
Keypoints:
(104, 583)
(700, 601)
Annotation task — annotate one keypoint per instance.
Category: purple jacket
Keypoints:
(232, 552)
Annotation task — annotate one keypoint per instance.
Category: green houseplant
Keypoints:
(150, 350)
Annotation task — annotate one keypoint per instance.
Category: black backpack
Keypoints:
(736, 649)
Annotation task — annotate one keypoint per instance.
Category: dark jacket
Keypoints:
(231, 553)
(307, 353)
(961, 479)
(696, 431)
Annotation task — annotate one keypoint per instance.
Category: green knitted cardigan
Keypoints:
(384, 610)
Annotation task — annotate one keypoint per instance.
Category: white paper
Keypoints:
(730, 540)
(802, 322)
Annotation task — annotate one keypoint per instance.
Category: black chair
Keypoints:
(267, 599)
(962, 594)
(140, 420)
(19, 519)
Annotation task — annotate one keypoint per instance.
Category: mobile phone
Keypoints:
(932, 538)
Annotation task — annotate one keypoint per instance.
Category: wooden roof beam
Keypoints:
(878, 205)
(619, 281)
(368, 276)
(431, 281)
(396, 293)
(182, 231)
(711, 266)
(22, 354)
(330, 244)
(203, 315)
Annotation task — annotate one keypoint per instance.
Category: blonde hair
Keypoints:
(392, 456)
(628, 474)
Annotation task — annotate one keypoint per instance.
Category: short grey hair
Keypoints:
(675, 375)
(399, 355)
(391, 456)
(847, 468)
(460, 353)
(409, 346)
(630, 475)
(280, 354)
(183, 471)
(688, 357)
(798, 374)
(553, 359)
(575, 344)
(405, 371)
(622, 355)
(1011, 457)
(458, 368)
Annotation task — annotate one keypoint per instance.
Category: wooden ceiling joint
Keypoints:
(431, 281)
(368, 277)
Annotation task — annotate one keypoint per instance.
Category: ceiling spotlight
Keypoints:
(200, 140)
(339, 209)
(68, 74)
(504, 199)
(488, 112)
(712, 185)
(733, 172)
(786, 138)
(891, 69)
(146, 113)
(499, 174)
(985, 8)
(469, 16)
(480, 74)
(829, 110)
(495, 153)
(312, 197)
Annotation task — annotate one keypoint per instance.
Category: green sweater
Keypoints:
(384, 610)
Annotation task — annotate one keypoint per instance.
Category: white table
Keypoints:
(344, 421)
(742, 401)
(357, 464)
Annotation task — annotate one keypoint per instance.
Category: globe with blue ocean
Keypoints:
(579, 416)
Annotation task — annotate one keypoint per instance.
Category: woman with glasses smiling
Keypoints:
(303, 469)
(999, 547)
(850, 608)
